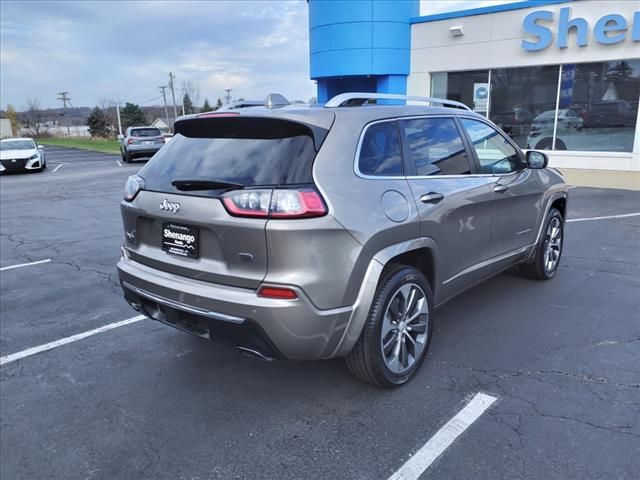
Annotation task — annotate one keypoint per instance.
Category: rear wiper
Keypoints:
(187, 185)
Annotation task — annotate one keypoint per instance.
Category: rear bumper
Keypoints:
(144, 150)
(293, 329)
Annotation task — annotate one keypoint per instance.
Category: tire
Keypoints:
(541, 267)
(125, 157)
(367, 361)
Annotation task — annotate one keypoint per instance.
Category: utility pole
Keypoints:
(228, 90)
(118, 115)
(173, 95)
(183, 93)
(64, 97)
(166, 110)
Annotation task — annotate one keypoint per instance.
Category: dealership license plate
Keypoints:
(148, 142)
(180, 240)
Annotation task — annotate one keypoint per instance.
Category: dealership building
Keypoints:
(558, 75)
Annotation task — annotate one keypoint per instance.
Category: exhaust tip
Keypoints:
(252, 353)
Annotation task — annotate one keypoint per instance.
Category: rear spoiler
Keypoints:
(235, 125)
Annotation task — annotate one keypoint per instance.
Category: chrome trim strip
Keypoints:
(486, 263)
(185, 308)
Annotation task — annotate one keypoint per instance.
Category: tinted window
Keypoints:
(248, 161)
(435, 146)
(495, 153)
(145, 132)
(380, 150)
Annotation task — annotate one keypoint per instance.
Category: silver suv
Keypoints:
(140, 142)
(335, 231)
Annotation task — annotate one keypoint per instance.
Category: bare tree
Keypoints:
(108, 106)
(193, 90)
(33, 117)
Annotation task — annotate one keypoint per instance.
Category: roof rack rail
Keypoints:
(360, 98)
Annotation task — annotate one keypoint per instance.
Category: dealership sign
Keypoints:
(608, 30)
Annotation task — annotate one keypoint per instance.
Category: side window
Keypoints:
(380, 150)
(495, 153)
(435, 146)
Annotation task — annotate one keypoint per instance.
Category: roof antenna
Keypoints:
(275, 100)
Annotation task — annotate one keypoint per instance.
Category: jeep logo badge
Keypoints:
(170, 206)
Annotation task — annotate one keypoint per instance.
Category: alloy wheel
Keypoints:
(553, 245)
(404, 328)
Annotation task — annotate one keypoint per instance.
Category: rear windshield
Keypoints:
(247, 161)
(145, 132)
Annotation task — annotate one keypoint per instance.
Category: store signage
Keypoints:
(608, 30)
(480, 97)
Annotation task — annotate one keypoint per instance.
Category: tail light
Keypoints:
(160, 140)
(130, 141)
(276, 203)
(132, 187)
(281, 293)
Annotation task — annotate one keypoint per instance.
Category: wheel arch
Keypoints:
(420, 253)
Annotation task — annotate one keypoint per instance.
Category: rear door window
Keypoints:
(435, 146)
(380, 151)
(145, 132)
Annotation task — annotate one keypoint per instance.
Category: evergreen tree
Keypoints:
(132, 116)
(219, 104)
(206, 107)
(188, 104)
(98, 123)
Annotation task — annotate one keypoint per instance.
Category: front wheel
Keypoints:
(546, 259)
(396, 336)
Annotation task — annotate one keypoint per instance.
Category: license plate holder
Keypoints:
(181, 240)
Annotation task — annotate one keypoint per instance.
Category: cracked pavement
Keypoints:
(146, 402)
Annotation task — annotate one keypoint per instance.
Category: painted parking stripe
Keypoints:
(11, 267)
(423, 458)
(64, 341)
(57, 168)
(118, 162)
(589, 219)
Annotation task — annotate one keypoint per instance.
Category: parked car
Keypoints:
(314, 233)
(21, 154)
(541, 134)
(514, 122)
(618, 113)
(140, 142)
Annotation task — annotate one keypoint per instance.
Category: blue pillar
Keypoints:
(360, 45)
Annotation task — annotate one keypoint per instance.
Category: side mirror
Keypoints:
(537, 160)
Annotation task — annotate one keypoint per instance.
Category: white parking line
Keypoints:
(118, 162)
(11, 267)
(57, 168)
(423, 458)
(63, 341)
(588, 219)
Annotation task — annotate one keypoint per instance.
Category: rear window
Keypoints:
(251, 162)
(145, 132)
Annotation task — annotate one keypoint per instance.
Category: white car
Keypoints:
(21, 154)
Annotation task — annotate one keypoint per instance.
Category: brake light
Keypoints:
(130, 141)
(276, 203)
(281, 293)
(132, 187)
(226, 114)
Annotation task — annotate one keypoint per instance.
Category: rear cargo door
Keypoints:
(190, 232)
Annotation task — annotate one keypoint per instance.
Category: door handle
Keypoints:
(431, 197)
(500, 188)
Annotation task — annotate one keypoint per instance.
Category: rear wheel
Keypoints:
(546, 259)
(125, 157)
(396, 336)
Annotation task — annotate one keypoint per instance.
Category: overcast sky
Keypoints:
(105, 50)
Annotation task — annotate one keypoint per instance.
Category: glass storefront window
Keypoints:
(470, 88)
(521, 97)
(598, 106)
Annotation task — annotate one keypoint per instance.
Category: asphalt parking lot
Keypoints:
(145, 401)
